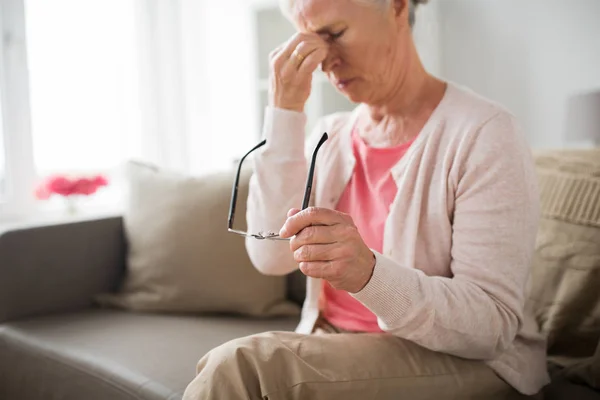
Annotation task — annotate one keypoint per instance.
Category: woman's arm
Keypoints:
(276, 186)
(476, 313)
(280, 167)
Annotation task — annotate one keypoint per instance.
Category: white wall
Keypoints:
(529, 55)
(426, 34)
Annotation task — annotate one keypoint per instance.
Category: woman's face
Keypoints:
(368, 46)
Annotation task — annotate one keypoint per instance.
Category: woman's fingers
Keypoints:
(311, 216)
(312, 61)
(291, 69)
(318, 269)
(301, 55)
(327, 245)
(276, 51)
(284, 55)
(293, 211)
(303, 44)
(304, 49)
(318, 252)
(315, 234)
(290, 45)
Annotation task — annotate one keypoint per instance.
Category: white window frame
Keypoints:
(16, 112)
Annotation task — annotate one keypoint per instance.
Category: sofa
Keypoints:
(57, 341)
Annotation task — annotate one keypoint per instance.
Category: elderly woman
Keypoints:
(418, 245)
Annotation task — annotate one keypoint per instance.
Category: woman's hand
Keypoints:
(292, 66)
(327, 245)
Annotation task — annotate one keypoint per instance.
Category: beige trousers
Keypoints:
(331, 364)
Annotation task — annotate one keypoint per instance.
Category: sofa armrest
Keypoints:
(61, 267)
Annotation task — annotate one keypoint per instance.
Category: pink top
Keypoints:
(367, 199)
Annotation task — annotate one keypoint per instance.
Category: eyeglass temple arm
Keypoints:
(309, 181)
(234, 191)
(311, 172)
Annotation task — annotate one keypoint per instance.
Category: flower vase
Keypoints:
(71, 205)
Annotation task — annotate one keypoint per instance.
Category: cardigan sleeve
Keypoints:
(277, 184)
(476, 312)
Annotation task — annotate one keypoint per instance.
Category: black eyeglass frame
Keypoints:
(234, 192)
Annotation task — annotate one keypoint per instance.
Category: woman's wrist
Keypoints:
(297, 107)
(285, 130)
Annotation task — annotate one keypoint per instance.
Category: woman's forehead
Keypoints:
(314, 15)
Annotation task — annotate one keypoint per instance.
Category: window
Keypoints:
(83, 83)
(87, 87)
(90, 84)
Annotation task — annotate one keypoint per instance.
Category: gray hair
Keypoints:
(288, 5)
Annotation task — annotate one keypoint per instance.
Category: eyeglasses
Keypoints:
(234, 192)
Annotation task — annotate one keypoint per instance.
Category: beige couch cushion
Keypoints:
(565, 294)
(181, 258)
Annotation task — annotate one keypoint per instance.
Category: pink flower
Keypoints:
(60, 185)
(63, 186)
(100, 180)
(84, 186)
(42, 192)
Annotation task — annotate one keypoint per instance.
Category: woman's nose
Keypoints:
(331, 62)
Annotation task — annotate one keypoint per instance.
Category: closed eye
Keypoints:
(334, 36)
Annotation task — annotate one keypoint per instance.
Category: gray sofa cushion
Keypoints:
(48, 268)
(115, 355)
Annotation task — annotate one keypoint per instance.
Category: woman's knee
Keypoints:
(246, 352)
(230, 370)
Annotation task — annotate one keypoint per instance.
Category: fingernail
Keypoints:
(283, 232)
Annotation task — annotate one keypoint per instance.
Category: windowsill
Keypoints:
(49, 218)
